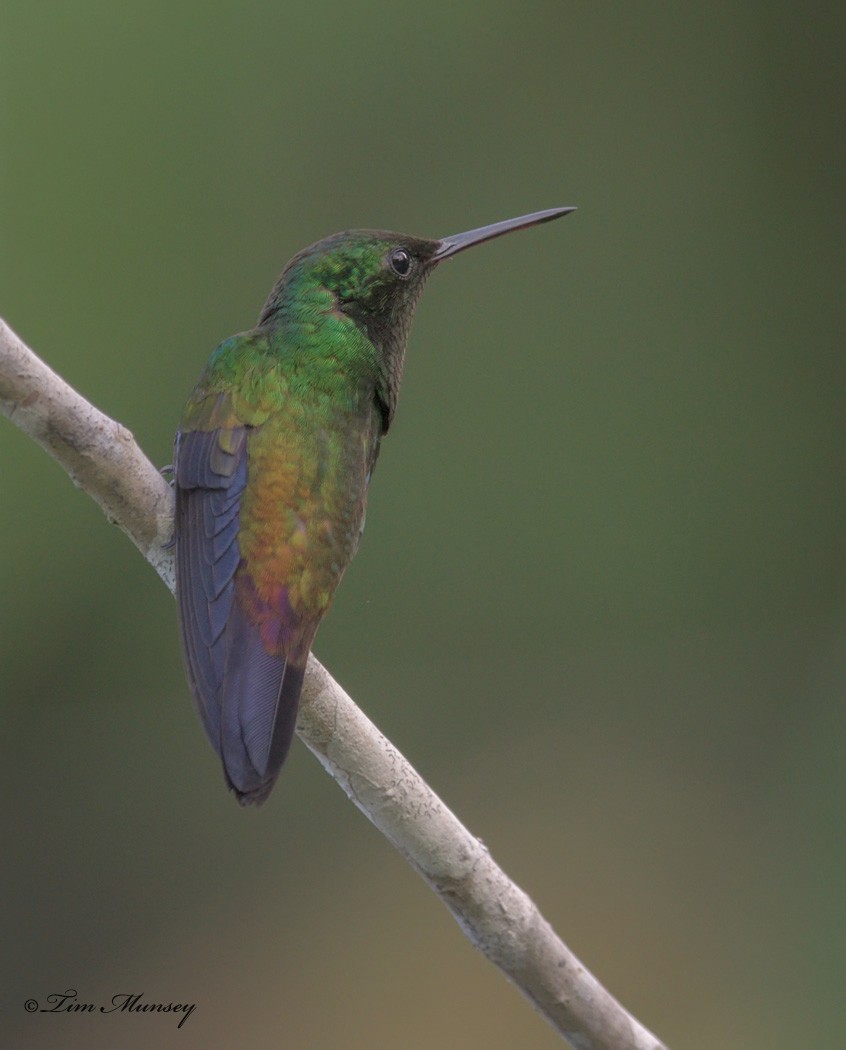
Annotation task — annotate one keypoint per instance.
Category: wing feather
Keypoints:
(247, 697)
(208, 493)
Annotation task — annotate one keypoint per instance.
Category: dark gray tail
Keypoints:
(260, 696)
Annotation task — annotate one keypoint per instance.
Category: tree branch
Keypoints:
(103, 459)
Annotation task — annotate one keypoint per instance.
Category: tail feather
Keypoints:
(259, 698)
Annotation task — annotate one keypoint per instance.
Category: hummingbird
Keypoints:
(272, 463)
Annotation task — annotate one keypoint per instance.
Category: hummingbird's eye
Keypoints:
(400, 262)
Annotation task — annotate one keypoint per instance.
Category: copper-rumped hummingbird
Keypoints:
(272, 463)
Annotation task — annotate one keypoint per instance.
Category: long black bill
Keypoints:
(459, 241)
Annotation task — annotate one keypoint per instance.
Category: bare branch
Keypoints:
(496, 915)
(99, 454)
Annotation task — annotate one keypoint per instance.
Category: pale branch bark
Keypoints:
(496, 915)
(100, 455)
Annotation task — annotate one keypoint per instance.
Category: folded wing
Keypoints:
(246, 696)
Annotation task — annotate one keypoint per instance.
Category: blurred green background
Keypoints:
(601, 600)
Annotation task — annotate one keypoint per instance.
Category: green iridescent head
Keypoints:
(374, 277)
